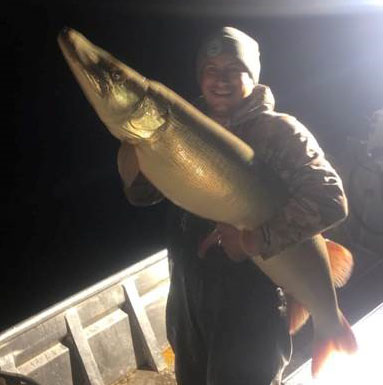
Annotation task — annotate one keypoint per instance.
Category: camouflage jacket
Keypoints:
(316, 197)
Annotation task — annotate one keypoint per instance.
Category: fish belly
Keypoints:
(303, 271)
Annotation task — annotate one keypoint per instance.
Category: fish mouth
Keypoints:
(78, 49)
(66, 40)
(83, 59)
(65, 34)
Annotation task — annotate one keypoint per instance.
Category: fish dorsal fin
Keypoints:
(341, 262)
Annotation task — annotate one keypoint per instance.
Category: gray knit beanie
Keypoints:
(234, 42)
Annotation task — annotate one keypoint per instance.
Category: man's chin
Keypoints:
(223, 106)
(224, 111)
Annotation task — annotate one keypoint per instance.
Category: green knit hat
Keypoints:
(234, 42)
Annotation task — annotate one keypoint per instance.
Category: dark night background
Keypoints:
(65, 222)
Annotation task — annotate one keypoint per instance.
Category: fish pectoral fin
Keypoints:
(341, 263)
(297, 314)
(344, 341)
(127, 163)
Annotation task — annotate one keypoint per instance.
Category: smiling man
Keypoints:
(226, 320)
(228, 69)
(225, 83)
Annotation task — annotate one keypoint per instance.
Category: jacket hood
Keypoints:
(260, 100)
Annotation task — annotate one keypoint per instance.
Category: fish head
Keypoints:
(114, 90)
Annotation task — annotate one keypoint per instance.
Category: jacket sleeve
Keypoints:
(316, 197)
(138, 190)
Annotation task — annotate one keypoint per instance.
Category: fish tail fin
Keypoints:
(343, 341)
(341, 263)
(297, 314)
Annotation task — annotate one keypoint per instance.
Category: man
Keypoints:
(225, 318)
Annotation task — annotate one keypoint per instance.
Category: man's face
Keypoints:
(225, 83)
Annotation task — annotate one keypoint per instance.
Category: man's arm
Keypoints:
(316, 203)
(138, 190)
(317, 200)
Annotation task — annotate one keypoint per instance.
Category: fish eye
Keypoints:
(116, 76)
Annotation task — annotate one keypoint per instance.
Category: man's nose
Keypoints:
(223, 76)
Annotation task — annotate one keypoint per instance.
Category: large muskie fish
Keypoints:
(202, 167)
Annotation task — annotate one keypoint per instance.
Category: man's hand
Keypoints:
(230, 240)
(238, 245)
(253, 241)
